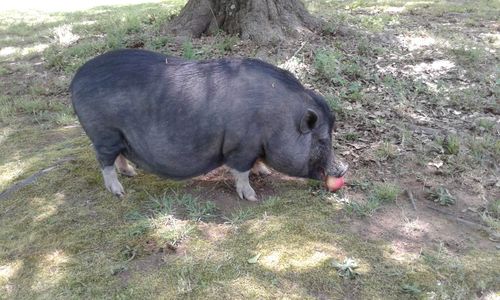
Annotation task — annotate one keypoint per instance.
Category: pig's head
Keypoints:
(306, 143)
(321, 161)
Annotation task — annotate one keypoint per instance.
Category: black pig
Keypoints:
(180, 119)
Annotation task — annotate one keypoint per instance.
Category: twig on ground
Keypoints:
(460, 220)
(31, 179)
(410, 195)
(298, 50)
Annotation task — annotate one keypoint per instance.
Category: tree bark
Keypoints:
(264, 21)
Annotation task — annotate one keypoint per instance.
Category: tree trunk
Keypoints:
(264, 21)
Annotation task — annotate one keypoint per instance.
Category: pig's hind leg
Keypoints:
(108, 148)
(124, 167)
(259, 168)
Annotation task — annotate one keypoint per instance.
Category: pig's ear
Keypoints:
(309, 121)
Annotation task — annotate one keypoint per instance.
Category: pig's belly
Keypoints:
(175, 164)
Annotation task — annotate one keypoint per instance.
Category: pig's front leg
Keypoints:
(245, 191)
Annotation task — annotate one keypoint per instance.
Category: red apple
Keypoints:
(333, 183)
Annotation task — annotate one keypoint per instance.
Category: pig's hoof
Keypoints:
(130, 171)
(260, 168)
(246, 192)
(111, 181)
(252, 198)
(116, 188)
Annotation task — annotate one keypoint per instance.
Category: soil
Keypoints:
(410, 230)
(218, 186)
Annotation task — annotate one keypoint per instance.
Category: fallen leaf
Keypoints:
(438, 164)
(254, 259)
(345, 153)
(357, 146)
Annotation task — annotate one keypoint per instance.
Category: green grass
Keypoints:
(485, 124)
(188, 50)
(240, 216)
(66, 237)
(366, 209)
(450, 144)
(196, 209)
(342, 71)
(351, 136)
(226, 44)
(494, 208)
(491, 220)
(484, 149)
(386, 192)
(335, 104)
(379, 195)
(163, 205)
(467, 56)
(127, 27)
(328, 65)
(193, 207)
(442, 196)
(386, 151)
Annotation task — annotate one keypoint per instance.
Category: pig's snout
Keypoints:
(337, 169)
(335, 175)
